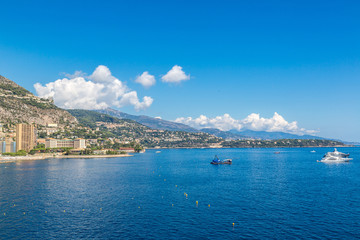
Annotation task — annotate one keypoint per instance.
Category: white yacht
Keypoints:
(335, 156)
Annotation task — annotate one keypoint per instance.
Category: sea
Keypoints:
(178, 194)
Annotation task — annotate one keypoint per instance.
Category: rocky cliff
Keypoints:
(19, 105)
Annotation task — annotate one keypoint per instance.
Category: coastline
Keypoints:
(6, 159)
(211, 147)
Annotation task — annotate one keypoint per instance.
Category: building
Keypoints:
(25, 137)
(65, 143)
(2, 146)
(78, 143)
(7, 145)
(51, 143)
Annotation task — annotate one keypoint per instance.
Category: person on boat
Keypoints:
(216, 159)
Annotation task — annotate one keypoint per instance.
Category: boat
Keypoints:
(313, 151)
(335, 157)
(217, 161)
(158, 152)
(277, 152)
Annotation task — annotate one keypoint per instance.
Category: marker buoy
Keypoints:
(197, 202)
(209, 205)
(24, 213)
(45, 211)
(233, 224)
(64, 210)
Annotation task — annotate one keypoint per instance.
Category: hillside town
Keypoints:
(23, 139)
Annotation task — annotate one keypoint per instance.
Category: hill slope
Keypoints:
(151, 122)
(272, 135)
(19, 105)
(223, 134)
(102, 124)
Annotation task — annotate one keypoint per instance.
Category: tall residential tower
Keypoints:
(25, 137)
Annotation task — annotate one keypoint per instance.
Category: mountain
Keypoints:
(272, 135)
(160, 124)
(101, 125)
(19, 105)
(249, 134)
(223, 134)
(154, 123)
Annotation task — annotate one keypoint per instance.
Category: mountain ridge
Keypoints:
(18, 105)
(151, 122)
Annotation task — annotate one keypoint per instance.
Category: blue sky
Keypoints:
(300, 59)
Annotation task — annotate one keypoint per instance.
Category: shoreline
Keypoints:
(336, 146)
(6, 159)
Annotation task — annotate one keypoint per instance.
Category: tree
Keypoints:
(138, 148)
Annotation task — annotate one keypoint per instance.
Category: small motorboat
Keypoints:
(158, 152)
(217, 161)
(313, 151)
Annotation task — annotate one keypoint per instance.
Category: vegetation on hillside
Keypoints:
(281, 143)
(103, 125)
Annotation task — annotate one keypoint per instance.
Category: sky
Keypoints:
(291, 66)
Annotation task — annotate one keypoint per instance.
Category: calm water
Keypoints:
(266, 195)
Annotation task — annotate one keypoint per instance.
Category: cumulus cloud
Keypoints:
(252, 122)
(98, 91)
(146, 79)
(175, 75)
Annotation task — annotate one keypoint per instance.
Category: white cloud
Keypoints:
(102, 74)
(98, 91)
(175, 75)
(146, 79)
(75, 75)
(252, 122)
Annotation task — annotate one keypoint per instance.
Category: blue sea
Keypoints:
(177, 194)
